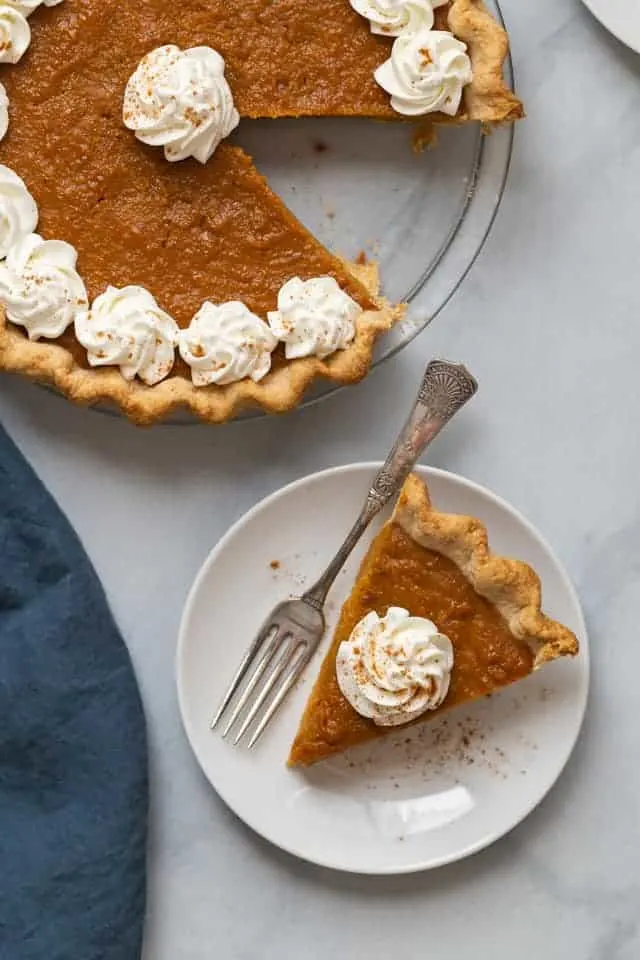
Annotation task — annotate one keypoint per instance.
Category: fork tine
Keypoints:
(295, 669)
(282, 663)
(260, 667)
(239, 675)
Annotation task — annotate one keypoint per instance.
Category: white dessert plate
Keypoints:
(422, 797)
(620, 17)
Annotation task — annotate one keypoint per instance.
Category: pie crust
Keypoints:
(506, 638)
(510, 585)
(487, 98)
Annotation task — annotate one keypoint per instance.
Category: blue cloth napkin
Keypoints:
(73, 760)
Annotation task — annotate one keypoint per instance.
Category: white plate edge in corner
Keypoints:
(620, 17)
(222, 765)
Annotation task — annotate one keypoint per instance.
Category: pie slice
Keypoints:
(437, 566)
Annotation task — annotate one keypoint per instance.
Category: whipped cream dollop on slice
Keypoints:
(4, 112)
(15, 34)
(226, 342)
(425, 73)
(125, 327)
(18, 210)
(394, 18)
(394, 668)
(40, 287)
(314, 317)
(180, 100)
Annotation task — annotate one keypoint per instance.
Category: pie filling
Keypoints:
(398, 572)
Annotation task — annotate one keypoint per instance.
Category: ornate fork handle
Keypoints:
(445, 388)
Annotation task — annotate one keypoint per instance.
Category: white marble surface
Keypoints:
(549, 321)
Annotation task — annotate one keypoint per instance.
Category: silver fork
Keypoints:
(291, 633)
